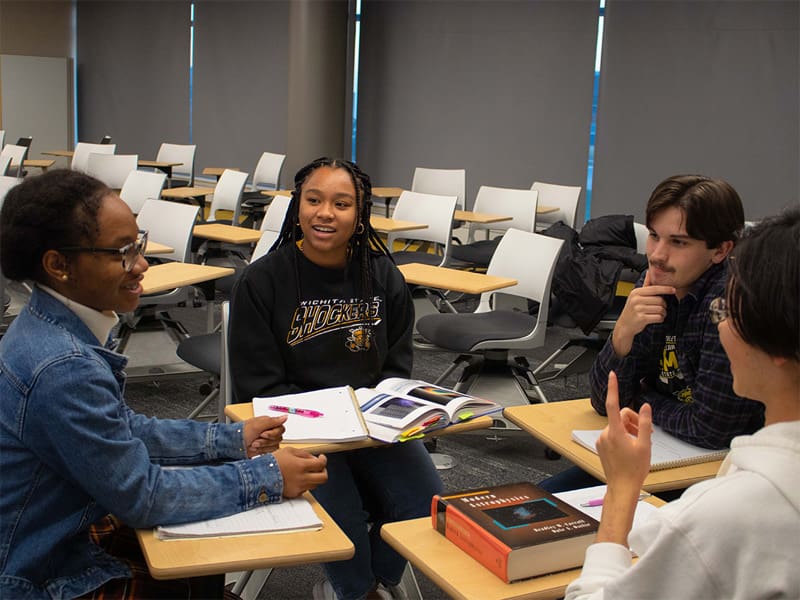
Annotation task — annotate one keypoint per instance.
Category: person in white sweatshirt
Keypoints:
(738, 535)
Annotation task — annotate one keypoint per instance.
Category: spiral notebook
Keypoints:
(667, 452)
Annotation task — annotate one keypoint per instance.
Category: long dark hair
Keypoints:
(363, 244)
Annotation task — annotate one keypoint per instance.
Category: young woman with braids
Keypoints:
(328, 307)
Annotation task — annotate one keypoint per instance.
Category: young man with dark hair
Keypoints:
(664, 348)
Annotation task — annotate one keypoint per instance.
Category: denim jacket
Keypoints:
(71, 451)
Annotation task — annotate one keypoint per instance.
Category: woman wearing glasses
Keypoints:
(735, 536)
(71, 451)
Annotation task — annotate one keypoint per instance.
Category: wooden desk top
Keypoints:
(387, 225)
(218, 171)
(244, 411)
(158, 164)
(387, 192)
(186, 192)
(469, 216)
(456, 280)
(543, 210)
(167, 276)
(65, 153)
(231, 234)
(170, 559)
(42, 164)
(156, 248)
(553, 423)
(277, 192)
(460, 575)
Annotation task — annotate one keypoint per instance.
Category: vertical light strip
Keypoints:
(191, 67)
(74, 19)
(356, 54)
(595, 93)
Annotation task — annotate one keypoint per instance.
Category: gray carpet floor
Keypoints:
(480, 458)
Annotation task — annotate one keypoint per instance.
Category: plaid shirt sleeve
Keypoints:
(716, 414)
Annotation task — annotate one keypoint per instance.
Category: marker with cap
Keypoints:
(303, 412)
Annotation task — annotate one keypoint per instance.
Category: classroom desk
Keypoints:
(388, 194)
(218, 171)
(468, 282)
(220, 232)
(171, 559)
(469, 216)
(553, 423)
(387, 225)
(155, 164)
(244, 411)
(156, 248)
(461, 576)
(277, 192)
(196, 193)
(166, 276)
(36, 163)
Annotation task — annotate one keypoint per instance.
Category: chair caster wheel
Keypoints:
(551, 454)
(205, 389)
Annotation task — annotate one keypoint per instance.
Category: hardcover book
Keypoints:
(515, 530)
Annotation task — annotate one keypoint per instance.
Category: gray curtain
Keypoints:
(133, 74)
(502, 89)
(698, 87)
(240, 82)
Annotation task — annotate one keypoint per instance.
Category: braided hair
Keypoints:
(363, 244)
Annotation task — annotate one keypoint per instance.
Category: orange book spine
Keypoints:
(472, 539)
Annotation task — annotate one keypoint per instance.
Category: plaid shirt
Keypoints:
(715, 415)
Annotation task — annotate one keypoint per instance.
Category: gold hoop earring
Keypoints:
(360, 229)
(64, 277)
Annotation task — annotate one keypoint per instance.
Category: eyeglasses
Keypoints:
(718, 310)
(129, 252)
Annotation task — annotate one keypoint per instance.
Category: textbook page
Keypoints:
(296, 514)
(339, 418)
(459, 406)
(667, 451)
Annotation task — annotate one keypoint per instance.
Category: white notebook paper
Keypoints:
(667, 452)
(341, 419)
(296, 514)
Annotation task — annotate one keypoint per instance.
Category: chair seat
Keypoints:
(202, 351)
(406, 257)
(462, 332)
(478, 253)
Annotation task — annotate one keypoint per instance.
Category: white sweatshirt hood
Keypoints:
(774, 453)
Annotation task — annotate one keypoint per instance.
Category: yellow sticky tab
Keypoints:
(465, 416)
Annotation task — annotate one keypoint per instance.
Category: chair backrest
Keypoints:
(228, 194)
(140, 186)
(225, 387)
(518, 204)
(564, 197)
(433, 210)
(25, 141)
(170, 223)
(268, 238)
(513, 258)
(5, 163)
(2, 138)
(16, 156)
(275, 213)
(80, 157)
(642, 233)
(179, 153)
(6, 183)
(268, 171)
(112, 169)
(442, 182)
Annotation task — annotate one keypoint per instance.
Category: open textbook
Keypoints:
(296, 514)
(396, 410)
(399, 409)
(667, 450)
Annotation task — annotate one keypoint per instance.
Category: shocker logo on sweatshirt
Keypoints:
(671, 376)
(319, 317)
